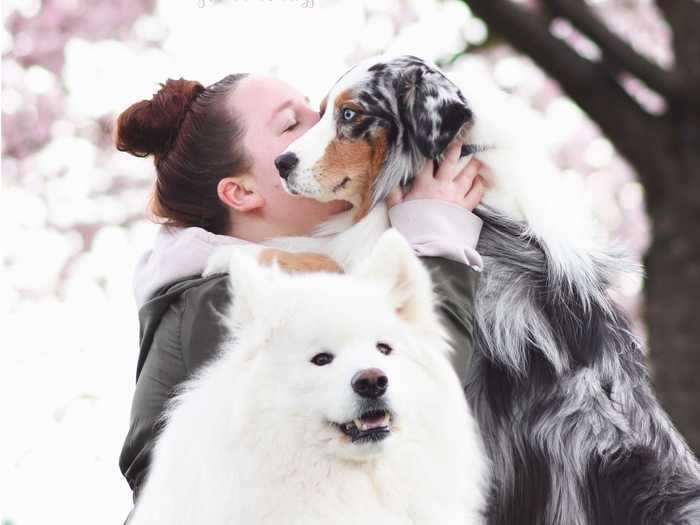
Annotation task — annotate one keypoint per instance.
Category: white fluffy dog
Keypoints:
(334, 403)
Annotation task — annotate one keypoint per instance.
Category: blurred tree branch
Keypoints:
(619, 54)
(684, 18)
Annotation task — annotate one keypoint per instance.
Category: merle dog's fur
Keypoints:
(558, 382)
(576, 436)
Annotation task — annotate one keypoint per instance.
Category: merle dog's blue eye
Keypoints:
(321, 359)
(348, 114)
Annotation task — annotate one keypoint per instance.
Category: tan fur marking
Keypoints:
(302, 262)
(375, 165)
(343, 100)
(357, 160)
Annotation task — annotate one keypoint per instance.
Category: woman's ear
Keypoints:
(239, 193)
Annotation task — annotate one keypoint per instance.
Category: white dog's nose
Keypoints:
(371, 382)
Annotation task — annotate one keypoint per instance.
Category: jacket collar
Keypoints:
(177, 253)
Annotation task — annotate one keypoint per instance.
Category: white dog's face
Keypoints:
(349, 378)
(381, 118)
(346, 363)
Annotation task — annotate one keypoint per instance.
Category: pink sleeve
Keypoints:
(439, 228)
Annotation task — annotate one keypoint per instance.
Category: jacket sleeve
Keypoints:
(454, 283)
(439, 228)
(188, 334)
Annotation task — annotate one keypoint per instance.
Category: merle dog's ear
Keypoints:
(432, 108)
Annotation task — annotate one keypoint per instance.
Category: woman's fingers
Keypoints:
(464, 187)
(465, 177)
(446, 171)
(475, 193)
(425, 174)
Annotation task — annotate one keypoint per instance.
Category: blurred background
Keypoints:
(616, 82)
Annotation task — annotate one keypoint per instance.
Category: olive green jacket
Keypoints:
(180, 329)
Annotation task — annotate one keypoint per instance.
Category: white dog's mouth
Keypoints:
(373, 425)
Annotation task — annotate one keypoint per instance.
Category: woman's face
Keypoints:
(274, 115)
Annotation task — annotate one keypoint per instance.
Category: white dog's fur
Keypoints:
(247, 439)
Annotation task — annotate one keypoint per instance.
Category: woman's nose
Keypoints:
(286, 163)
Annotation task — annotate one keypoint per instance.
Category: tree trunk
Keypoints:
(672, 292)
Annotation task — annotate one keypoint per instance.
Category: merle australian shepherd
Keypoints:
(558, 382)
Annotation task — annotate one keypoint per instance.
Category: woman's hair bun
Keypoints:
(149, 127)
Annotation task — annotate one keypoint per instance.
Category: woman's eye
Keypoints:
(291, 127)
(348, 114)
(384, 348)
(321, 359)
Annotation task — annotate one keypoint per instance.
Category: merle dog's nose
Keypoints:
(370, 382)
(285, 163)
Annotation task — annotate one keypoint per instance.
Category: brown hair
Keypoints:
(196, 140)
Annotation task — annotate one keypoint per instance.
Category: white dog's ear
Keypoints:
(251, 284)
(393, 263)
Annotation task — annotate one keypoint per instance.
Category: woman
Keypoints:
(214, 151)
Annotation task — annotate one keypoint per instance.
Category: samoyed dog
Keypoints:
(334, 402)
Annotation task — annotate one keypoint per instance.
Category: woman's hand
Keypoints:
(464, 188)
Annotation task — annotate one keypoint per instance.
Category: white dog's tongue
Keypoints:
(378, 421)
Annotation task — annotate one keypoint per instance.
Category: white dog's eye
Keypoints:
(384, 348)
(348, 114)
(324, 358)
